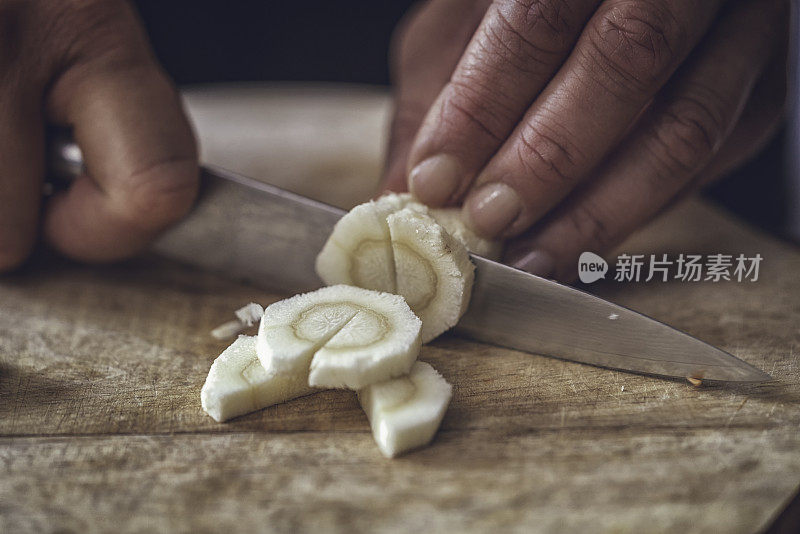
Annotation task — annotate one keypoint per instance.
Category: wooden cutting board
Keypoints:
(101, 368)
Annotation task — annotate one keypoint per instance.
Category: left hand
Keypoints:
(564, 125)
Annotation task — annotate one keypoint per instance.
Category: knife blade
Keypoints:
(252, 231)
(269, 237)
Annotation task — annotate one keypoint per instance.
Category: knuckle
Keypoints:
(504, 48)
(470, 102)
(689, 132)
(635, 44)
(546, 155)
(161, 194)
(552, 20)
(531, 28)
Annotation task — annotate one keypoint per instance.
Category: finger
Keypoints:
(624, 56)
(425, 50)
(758, 124)
(514, 52)
(21, 168)
(688, 123)
(137, 145)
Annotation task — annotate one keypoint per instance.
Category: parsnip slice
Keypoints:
(237, 383)
(450, 218)
(433, 270)
(246, 316)
(358, 251)
(347, 336)
(405, 412)
(429, 267)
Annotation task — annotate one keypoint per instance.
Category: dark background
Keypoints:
(206, 41)
(261, 40)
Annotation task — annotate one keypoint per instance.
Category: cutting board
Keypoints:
(101, 368)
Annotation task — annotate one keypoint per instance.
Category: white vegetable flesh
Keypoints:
(237, 383)
(425, 264)
(433, 270)
(405, 412)
(344, 336)
(249, 314)
(245, 316)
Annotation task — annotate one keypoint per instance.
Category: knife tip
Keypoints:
(740, 371)
(761, 376)
(753, 374)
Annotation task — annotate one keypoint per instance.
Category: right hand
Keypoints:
(86, 64)
(562, 126)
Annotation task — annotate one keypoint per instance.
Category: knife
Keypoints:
(269, 237)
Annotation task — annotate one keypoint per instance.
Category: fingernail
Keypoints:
(492, 209)
(435, 180)
(537, 262)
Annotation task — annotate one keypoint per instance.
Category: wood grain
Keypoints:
(469, 481)
(101, 427)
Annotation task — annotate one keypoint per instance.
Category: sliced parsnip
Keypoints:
(347, 336)
(405, 412)
(392, 202)
(237, 383)
(433, 270)
(292, 330)
(358, 251)
(228, 329)
(450, 218)
(249, 314)
(246, 316)
(429, 267)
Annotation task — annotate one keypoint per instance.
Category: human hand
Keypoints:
(86, 64)
(563, 125)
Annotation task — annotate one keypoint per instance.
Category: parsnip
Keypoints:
(424, 264)
(347, 336)
(405, 412)
(237, 383)
(433, 270)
